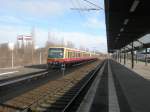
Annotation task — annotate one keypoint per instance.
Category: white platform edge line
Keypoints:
(8, 72)
(86, 104)
(16, 67)
(112, 96)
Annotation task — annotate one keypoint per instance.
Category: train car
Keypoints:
(62, 56)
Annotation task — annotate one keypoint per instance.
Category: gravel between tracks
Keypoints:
(50, 91)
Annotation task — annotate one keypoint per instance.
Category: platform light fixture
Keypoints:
(117, 38)
(11, 47)
(126, 21)
(134, 5)
(122, 29)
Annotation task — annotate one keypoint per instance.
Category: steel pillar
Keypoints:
(120, 56)
(132, 56)
(146, 57)
(124, 57)
(136, 58)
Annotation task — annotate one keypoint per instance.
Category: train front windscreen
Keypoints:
(56, 53)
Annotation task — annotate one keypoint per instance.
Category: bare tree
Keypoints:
(70, 44)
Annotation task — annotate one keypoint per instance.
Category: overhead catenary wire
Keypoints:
(83, 7)
(100, 8)
(91, 6)
(72, 1)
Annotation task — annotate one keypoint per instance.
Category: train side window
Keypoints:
(69, 54)
(78, 54)
(81, 54)
(73, 54)
(66, 54)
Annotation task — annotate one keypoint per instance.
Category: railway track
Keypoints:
(21, 76)
(54, 96)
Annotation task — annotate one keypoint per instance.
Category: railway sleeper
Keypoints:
(39, 109)
(53, 101)
(49, 105)
(56, 107)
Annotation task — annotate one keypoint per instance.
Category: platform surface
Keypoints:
(121, 91)
(140, 68)
(18, 71)
(135, 88)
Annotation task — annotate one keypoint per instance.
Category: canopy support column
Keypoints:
(120, 56)
(132, 56)
(136, 58)
(146, 57)
(124, 57)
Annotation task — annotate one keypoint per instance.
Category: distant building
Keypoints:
(4, 45)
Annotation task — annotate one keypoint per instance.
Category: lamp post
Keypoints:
(11, 47)
(40, 56)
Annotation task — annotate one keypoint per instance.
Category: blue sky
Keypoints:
(54, 16)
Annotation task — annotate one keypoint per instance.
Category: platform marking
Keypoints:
(113, 100)
(8, 72)
(16, 67)
(86, 104)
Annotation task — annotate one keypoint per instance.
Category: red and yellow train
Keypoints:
(58, 56)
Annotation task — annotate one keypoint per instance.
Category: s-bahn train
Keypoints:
(62, 56)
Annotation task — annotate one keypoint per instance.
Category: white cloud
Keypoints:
(84, 39)
(11, 20)
(38, 8)
(41, 36)
(9, 34)
(94, 22)
(31, 9)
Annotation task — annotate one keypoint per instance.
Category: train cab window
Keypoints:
(56, 53)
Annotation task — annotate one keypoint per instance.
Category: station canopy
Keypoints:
(127, 21)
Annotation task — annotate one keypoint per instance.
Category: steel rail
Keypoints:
(26, 77)
(83, 90)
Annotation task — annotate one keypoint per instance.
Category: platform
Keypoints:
(18, 71)
(140, 68)
(135, 88)
(121, 90)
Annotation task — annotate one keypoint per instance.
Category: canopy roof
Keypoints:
(126, 21)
